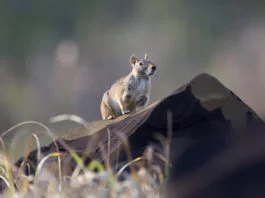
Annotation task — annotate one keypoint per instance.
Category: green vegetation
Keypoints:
(95, 180)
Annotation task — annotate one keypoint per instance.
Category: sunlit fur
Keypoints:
(129, 93)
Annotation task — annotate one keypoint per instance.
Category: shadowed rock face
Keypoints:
(217, 146)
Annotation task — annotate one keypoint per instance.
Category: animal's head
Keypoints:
(142, 67)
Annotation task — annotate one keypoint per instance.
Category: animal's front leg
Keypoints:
(125, 103)
(142, 102)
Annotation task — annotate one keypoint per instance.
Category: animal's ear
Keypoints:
(133, 60)
(145, 56)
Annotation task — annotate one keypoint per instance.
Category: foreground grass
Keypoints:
(88, 184)
(96, 180)
(93, 181)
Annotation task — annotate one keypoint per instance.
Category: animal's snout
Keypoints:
(153, 68)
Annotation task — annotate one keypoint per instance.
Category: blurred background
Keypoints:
(58, 57)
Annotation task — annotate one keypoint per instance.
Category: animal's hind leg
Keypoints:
(106, 111)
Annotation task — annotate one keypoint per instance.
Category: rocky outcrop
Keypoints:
(216, 140)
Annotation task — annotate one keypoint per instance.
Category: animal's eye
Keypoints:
(141, 64)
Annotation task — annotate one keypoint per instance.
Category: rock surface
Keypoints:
(216, 146)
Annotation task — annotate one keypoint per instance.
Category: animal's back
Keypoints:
(109, 105)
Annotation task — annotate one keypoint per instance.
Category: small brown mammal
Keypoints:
(130, 93)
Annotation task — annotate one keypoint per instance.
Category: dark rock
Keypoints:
(216, 141)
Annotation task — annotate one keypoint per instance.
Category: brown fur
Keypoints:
(129, 93)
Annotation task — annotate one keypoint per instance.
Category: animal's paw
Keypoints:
(110, 117)
(125, 112)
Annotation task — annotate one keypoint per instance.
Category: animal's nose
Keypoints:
(153, 68)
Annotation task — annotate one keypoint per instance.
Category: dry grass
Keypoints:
(97, 180)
